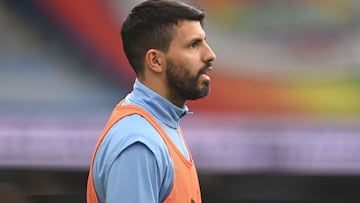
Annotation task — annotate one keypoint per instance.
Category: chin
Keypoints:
(201, 93)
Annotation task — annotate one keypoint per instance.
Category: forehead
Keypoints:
(187, 30)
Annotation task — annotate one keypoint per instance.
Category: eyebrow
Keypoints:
(196, 40)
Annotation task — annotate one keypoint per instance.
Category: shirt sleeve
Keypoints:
(139, 181)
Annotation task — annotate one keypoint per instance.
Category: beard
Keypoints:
(186, 85)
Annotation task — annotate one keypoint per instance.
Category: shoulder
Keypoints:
(130, 142)
(134, 128)
(127, 131)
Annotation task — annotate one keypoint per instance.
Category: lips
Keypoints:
(205, 76)
(205, 70)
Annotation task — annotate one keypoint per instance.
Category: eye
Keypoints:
(194, 45)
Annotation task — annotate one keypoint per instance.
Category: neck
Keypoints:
(162, 89)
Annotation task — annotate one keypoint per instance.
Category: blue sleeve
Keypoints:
(132, 164)
(138, 182)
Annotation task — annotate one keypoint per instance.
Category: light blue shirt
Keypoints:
(132, 163)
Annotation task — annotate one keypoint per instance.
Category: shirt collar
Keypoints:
(161, 108)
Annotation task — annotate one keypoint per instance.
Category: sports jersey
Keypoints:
(151, 147)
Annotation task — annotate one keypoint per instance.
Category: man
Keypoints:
(141, 155)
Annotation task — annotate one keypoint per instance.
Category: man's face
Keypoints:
(188, 61)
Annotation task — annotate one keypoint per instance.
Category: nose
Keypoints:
(209, 54)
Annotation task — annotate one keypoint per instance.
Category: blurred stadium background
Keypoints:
(281, 123)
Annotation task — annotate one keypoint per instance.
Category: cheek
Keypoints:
(186, 60)
(191, 64)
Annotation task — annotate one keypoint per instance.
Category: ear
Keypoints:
(154, 60)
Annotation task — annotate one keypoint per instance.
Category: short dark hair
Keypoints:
(150, 26)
